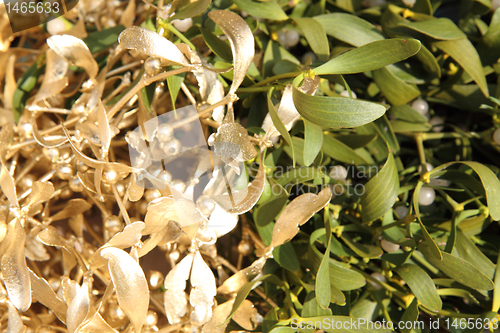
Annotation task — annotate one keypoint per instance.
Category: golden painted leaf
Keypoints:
(73, 207)
(135, 192)
(49, 236)
(69, 289)
(239, 279)
(231, 143)
(286, 111)
(130, 236)
(152, 44)
(75, 51)
(79, 306)
(107, 166)
(241, 201)
(175, 297)
(44, 294)
(163, 209)
(97, 324)
(242, 42)
(296, 213)
(54, 79)
(104, 129)
(221, 221)
(128, 16)
(130, 285)
(221, 312)
(14, 270)
(8, 186)
(247, 316)
(10, 83)
(40, 193)
(203, 291)
(34, 249)
(168, 234)
(14, 322)
(6, 135)
(49, 142)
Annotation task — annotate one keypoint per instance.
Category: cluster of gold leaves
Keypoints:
(74, 220)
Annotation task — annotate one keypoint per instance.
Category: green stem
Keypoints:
(276, 77)
(176, 32)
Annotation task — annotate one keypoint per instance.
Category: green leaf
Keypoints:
(490, 182)
(468, 251)
(275, 53)
(410, 315)
(147, 94)
(429, 61)
(349, 29)
(463, 52)
(339, 151)
(191, 10)
(371, 56)
(270, 10)
(406, 112)
(25, 85)
(421, 285)
(280, 126)
(313, 139)
(298, 175)
(362, 250)
(461, 271)
(381, 191)
(315, 35)
(401, 126)
(311, 307)
(441, 28)
(394, 89)
(218, 46)
(285, 256)
(335, 112)
(101, 40)
(174, 85)
(245, 290)
(267, 211)
(322, 286)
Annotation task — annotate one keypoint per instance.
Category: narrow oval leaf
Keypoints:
(462, 271)
(44, 294)
(336, 112)
(14, 322)
(341, 152)
(262, 9)
(394, 89)
(15, 273)
(463, 52)
(203, 291)
(130, 285)
(40, 192)
(322, 284)
(8, 186)
(54, 79)
(381, 191)
(439, 28)
(298, 212)
(410, 315)
(175, 283)
(75, 51)
(370, 56)
(421, 285)
(315, 35)
(152, 44)
(278, 124)
(79, 307)
(349, 29)
(104, 129)
(242, 43)
(313, 140)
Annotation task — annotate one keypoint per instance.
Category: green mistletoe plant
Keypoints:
(262, 166)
